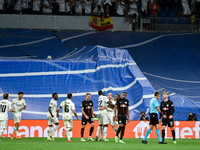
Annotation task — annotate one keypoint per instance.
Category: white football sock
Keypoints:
(105, 132)
(55, 129)
(14, 129)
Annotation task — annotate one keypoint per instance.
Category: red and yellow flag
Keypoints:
(101, 24)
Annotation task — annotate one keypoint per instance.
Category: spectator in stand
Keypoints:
(62, 10)
(186, 8)
(37, 7)
(88, 7)
(112, 8)
(25, 7)
(164, 3)
(132, 15)
(9, 6)
(107, 5)
(55, 5)
(78, 8)
(69, 7)
(144, 4)
(143, 116)
(190, 117)
(121, 8)
(98, 11)
(133, 5)
(47, 7)
(2, 7)
(17, 7)
(154, 14)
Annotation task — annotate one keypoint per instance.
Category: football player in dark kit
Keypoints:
(87, 116)
(167, 108)
(123, 116)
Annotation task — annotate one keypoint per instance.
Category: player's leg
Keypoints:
(69, 127)
(83, 122)
(3, 124)
(56, 126)
(105, 126)
(171, 125)
(50, 124)
(111, 121)
(163, 127)
(122, 131)
(119, 129)
(91, 121)
(151, 125)
(99, 127)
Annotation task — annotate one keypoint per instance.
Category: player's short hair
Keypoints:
(100, 92)
(142, 112)
(54, 94)
(5, 96)
(118, 95)
(109, 93)
(166, 93)
(156, 93)
(69, 95)
(88, 94)
(124, 93)
(20, 93)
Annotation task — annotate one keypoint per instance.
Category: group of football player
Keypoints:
(111, 110)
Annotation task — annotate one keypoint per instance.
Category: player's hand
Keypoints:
(52, 116)
(128, 120)
(86, 117)
(78, 118)
(164, 116)
(159, 120)
(58, 115)
(104, 107)
(115, 119)
(170, 117)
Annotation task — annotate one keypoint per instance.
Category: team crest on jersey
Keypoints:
(167, 105)
(165, 108)
(88, 107)
(123, 105)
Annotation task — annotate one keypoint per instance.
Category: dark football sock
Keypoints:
(163, 135)
(173, 134)
(82, 132)
(91, 130)
(119, 130)
(122, 133)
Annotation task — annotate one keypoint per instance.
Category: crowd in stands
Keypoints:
(144, 8)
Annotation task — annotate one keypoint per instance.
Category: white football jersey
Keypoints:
(5, 106)
(53, 105)
(113, 102)
(17, 105)
(68, 107)
(102, 102)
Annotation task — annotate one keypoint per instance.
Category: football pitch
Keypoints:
(76, 144)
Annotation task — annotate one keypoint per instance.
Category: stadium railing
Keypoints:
(167, 24)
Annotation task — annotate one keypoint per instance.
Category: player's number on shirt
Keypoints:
(2, 108)
(100, 103)
(67, 108)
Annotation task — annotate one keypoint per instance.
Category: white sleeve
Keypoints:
(24, 103)
(13, 102)
(9, 106)
(51, 104)
(106, 99)
(61, 104)
(73, 106)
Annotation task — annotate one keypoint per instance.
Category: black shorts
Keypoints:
(153, 119)
(168, 122)
(122, 120)
(90, 120)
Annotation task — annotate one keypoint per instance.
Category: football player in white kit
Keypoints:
(5, 106)
(68, 107)
(18, 105)
(103, 116)
(52, 118)
(110, 111)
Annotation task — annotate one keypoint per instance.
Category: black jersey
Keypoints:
(167, 108)
(122, 107)
(87, 108)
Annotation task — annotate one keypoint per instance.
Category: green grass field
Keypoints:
(76, 144)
